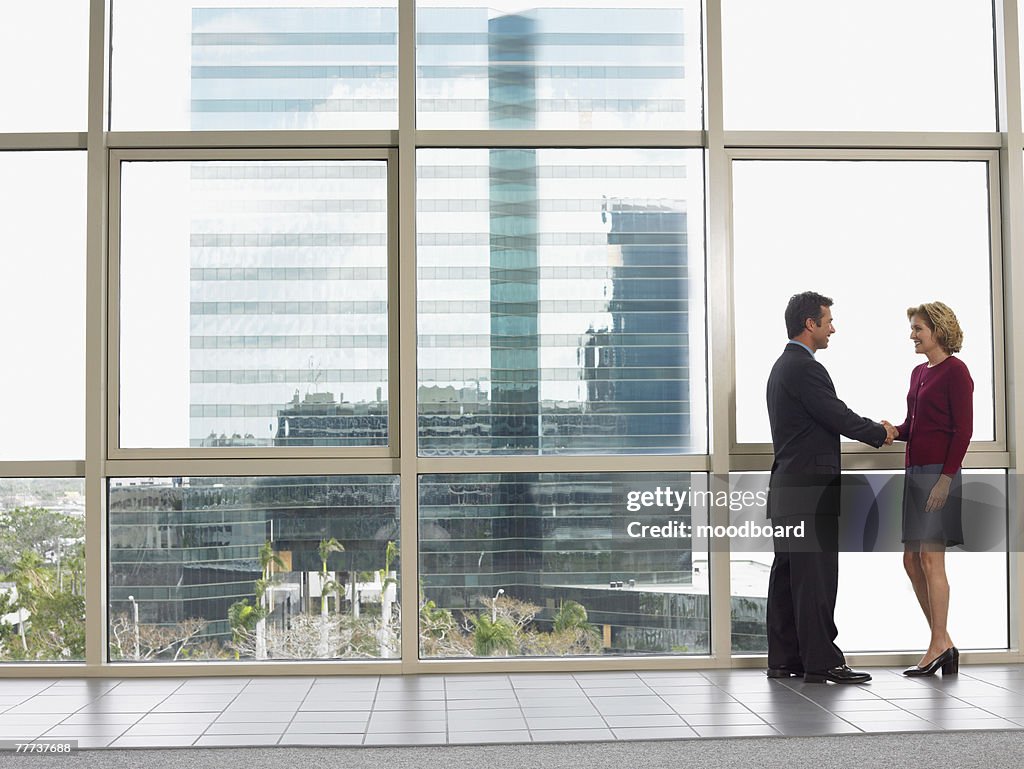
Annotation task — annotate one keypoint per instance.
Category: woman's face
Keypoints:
(923, 337)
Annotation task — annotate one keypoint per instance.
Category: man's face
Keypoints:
(823, 330)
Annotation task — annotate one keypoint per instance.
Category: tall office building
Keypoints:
(288, 329)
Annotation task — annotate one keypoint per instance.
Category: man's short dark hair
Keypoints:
(804, 306)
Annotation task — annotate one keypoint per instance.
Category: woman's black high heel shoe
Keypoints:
(949, 661)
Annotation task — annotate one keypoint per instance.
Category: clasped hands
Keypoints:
(891, 433)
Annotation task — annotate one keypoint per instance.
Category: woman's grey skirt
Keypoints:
(944, 526)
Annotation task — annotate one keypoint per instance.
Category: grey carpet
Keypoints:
(947, 750)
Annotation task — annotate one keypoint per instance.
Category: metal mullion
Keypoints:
(863, 139)
(720, 329)
(43, 468)
(171, 154)
(627, 463)
(861, 153)
(570, 139)
(1011, 199)
(747, 461)
(250, 467)
(284, 453)
(406, 309)
(250, 139)
(29, 142)
(96, 348)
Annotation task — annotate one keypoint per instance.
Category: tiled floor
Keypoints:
(497, 708)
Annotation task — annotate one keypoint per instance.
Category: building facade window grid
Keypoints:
(1010, 197)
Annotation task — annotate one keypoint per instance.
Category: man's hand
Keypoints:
(891, 433)
(938, 495)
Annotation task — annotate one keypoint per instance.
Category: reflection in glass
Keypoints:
(42, 569)
(552, 564)
(878, 237)
(42, 305)
(560, 301)
(607, 65)
(254, 304)
(253, 568)
(178, 64)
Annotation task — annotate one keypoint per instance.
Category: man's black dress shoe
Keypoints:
(837, 675)
(784, 672)
(949, 661)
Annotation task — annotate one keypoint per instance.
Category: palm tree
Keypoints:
(327, 546)
(491, 637)
(268, 560)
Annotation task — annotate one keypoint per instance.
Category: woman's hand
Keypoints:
(938, 495)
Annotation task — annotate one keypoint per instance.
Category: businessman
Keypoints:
(806, 420)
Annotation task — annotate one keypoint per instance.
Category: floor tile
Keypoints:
(406, 738)
(229, 727)
(126, 719)
(156, 730)
(567, 722)
(723, 719)
(637, 722)
(292, 738)
(265, 716)
(85, 730)
(618, 691)
(333, 716)
(456, 705)
(326, 727)
(239, 740)
(571, 735)
(93, 742)
(585, 709)
(882, 727)
(653, 733)
(631, 706)
(816, 730)
(166, 741)
(736, 731)
(957, 724)
(67, 704)
(480, 738)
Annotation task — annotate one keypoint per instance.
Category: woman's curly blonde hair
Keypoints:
(942, 320)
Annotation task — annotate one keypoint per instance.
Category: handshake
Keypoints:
(891, 433)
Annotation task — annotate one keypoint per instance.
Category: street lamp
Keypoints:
(494, 605)
(135, 623)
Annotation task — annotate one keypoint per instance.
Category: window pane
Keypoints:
(602, 65)
(876, 610)
(253, 568)
(44, 55)
(254, 304)
(561, 301)
(42, 569)
(568, 550)
(42, 304)
(895, 65)
(877, 237)
(319, 64)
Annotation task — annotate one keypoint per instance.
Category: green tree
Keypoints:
(36, 529)
(491, 637)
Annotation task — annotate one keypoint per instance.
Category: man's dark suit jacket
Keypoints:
(807, 419)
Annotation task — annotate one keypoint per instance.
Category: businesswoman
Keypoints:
(937, 430)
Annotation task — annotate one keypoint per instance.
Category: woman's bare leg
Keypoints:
(933, 564)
